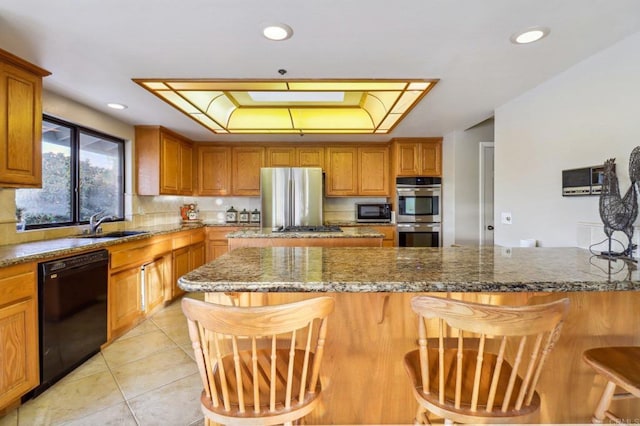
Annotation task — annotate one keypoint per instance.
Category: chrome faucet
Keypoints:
(95, 221)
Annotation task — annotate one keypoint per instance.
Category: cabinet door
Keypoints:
(281, 157)
(431, 158)
(373, 169)
(20, 128)
(407, 159)
(342, 171)
(186, 169)
(214, 170)
(245, 170)
(196, 256)
(170, 175)
(19, 372)
(154, 277)
(180, 267)
(310, 157)
(125, 300)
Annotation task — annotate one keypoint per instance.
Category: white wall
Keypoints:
(467, 183)
(579, 118)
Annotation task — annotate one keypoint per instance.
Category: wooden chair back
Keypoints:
(481, 363)
(259, 365)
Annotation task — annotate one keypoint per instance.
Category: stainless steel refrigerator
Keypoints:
(290, 196)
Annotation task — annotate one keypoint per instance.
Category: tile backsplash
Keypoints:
(144, 211)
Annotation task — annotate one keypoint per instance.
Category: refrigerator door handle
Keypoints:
(293, 202)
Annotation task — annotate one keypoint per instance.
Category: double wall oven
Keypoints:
(419, 206)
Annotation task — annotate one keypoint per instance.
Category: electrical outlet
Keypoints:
(506, 218)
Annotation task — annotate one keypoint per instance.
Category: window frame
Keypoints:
(75, 131)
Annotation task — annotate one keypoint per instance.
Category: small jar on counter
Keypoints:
(244, 216)
(255, 216)
(232, 215)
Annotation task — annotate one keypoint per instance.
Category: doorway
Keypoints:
(485, 178)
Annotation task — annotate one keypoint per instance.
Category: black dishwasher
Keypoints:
(72, 296)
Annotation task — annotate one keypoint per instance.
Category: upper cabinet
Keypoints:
(164, 162)
(342, 171)
(214, 170)
(373, 171)
(357, 171)
(20, 122)
(287, 156)
(246, 162)
(418, 156)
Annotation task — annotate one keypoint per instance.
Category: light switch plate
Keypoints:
(506, 218)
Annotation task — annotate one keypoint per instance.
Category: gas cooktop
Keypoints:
(317, 228)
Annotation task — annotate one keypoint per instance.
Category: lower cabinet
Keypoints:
(217, 242)
(188, 254)
(180, 267)
(155, 276)
(18, 333)
(138, 275)
(125, 300)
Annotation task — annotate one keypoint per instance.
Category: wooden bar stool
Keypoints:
(620, 366)
(479, 363)
(259, 365)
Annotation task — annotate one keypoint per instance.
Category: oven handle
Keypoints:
(418, 227)
(418, 191)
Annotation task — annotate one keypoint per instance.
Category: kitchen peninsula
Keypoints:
(373, 326)
(310, 237)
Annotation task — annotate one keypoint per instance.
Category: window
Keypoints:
(82, 174)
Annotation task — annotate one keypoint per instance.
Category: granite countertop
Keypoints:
(400, 269)
(355, 232)
(39, 250)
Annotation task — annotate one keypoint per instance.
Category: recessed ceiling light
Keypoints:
(116, 106)
(530, 35)
(277, 32)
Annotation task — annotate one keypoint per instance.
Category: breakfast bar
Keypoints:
(373, 325)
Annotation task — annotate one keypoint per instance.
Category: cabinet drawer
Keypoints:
(182, 239)
(140, 252)
(17, 283)
(197, 236)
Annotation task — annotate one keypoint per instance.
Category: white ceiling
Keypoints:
(95, 47)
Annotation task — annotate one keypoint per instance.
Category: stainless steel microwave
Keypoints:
(373, 212)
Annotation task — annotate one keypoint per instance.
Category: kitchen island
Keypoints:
(373, 325)
(339, 237)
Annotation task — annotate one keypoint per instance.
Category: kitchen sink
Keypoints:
(115, 234)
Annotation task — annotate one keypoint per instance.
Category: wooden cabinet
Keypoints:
(418, 156)
(156, 276)
(389, 232)
(214, 170)
(20, 122)
(125, 301)
(342, 171)
(373, 171)
(164, 162)
(188, 254)
(357, 171)
(310, 156)
(217, 242)
(19, 355)
(281, 157)
(288, 156)
(132, 292)
(246, 162)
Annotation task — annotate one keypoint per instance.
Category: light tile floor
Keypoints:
(147, 377)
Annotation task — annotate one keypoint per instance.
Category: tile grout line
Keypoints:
(124, 397)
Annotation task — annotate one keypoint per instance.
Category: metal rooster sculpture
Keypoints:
(619, 214)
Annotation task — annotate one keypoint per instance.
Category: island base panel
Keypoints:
(369, 333)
